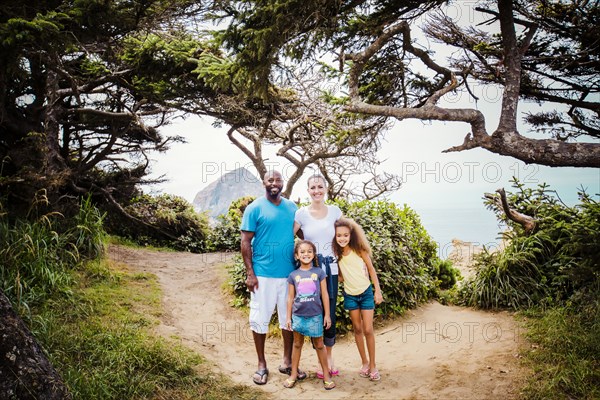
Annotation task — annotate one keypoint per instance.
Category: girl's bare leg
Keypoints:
(367, 323)
(296, 353)
(359, 337)
(322, 356)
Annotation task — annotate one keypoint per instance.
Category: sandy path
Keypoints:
(433, 352)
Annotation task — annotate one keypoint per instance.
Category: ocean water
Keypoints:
(476, 225)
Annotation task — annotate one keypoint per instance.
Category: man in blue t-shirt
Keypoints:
(268, 252)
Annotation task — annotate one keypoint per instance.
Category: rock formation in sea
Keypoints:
(218, 195)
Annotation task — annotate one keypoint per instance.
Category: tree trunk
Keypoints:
(528, 223)
(25, 371)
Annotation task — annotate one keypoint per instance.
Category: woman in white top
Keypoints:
(316, 222)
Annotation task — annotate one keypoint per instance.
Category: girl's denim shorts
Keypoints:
(363, 301)
(308, 326)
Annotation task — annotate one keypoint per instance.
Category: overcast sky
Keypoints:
(446, 189)
(411, 149)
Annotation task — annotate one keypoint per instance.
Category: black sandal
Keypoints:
(262, 375)
(288, 371)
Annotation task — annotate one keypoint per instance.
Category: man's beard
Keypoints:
(274, 192)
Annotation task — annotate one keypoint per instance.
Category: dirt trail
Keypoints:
(433, 352)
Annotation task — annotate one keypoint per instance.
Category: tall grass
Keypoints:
(511, 278)
(559, 260)
(87, 232)
(565, 354)
(38, 256)
(95, 319)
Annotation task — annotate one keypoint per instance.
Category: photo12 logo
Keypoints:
(454, 332)
(467, 171)
(212, 170)
(221, 332)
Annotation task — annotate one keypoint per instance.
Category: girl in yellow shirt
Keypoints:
(352, 249)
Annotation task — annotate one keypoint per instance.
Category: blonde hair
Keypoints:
(358, 239)
(314, 177)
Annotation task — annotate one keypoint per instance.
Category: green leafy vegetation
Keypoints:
(226, 234)
(163, 221)
(403, 253)
(445, 273)
(553, 275)
(559, 261)
(404, 256)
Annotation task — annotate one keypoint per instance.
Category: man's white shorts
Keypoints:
(271, 292)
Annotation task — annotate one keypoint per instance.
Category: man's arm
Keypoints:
(251, 280)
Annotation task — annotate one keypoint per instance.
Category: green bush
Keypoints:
(225, 236)
(404, 256)
(166, 221)
(445, 273)
(237, 282)
(557, 261)
(403, 253)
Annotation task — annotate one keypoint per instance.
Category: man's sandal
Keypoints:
(328, 385)
(261, 376)
(289, 383)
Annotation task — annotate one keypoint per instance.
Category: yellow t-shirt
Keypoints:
(356, 274)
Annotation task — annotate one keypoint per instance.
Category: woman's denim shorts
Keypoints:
(363, 301)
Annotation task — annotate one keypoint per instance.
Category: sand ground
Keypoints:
(433, 352)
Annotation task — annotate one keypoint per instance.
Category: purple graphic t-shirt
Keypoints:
(307, 302)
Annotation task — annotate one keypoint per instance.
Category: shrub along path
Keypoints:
(434, 351)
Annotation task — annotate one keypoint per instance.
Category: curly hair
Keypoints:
(358, 238)
(301, 242)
